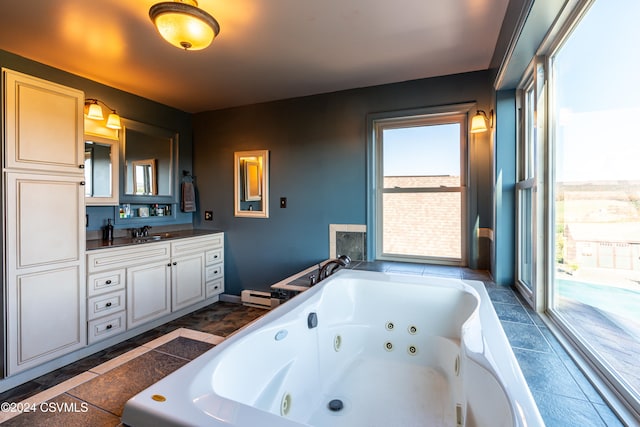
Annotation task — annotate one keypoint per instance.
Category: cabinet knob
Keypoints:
(81, 182)
(81, 166)
(108, 304)
(175, 263)
(215, 256)
(109, 326)
(169, 265)
(108, 282)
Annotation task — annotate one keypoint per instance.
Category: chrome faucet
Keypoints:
(330, 267)
(140, 232)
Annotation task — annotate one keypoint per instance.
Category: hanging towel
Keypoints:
(188, 202)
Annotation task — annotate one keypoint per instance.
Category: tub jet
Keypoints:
(335, 405)
(312, 320)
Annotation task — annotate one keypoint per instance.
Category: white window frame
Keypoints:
(420, 117)
(614, 392)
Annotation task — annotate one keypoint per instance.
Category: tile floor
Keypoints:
(563, 394)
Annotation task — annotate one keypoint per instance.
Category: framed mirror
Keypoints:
(251, 183)
(144, 177)
(148, 163)
(101, 158)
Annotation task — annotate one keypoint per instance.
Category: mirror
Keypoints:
(100, 170)
(144, 177)
(148, 159)
(251, 183)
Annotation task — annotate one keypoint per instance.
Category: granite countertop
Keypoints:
(152, 238)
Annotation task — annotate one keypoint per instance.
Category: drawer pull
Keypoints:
(175, 263)
(109, 326)
(108, 282)
(215, 256)
(108, 304)
(215, 287)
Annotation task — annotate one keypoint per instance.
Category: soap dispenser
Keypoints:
(108, 231)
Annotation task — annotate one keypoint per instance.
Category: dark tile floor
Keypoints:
(564, 396)
(99, 401)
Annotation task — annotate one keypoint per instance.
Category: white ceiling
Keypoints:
(266, 49)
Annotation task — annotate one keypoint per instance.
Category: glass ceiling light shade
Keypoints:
(183, 24)
(94, 112)
(113, 121)
(479, 121)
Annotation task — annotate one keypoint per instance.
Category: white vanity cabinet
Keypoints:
(135, 279)
(148, 292)
(44, 229)
(191, 260)
(214, 273)
(129, 286)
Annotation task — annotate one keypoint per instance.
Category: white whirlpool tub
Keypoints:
(359, 349)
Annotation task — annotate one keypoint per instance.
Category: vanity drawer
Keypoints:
(107, 259)
(213, 272)
(215, 287)
(106, 304)
(214, 255)
(105, 282)
(196, 244)
(107, 326)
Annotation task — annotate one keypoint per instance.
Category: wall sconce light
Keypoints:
(479, 121)
(183, 24)
(94, 111)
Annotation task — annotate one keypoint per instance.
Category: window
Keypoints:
(421, 187)
(595, 190)
(525, 242)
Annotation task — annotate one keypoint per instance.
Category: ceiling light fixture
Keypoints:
(94, 112)
(479, 121)
(183, 24)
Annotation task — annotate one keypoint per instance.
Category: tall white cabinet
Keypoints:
(44, 228)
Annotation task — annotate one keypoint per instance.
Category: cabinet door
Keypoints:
(46, 316)
(45, 269)
(187, 275)
(45, 221)
(148, 292)
(43, 125)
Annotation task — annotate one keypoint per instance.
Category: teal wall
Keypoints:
(317, 150)
(503, 257)
(317, 146)
(128, 106)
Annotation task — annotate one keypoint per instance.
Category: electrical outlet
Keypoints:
(283, 202)
(208, 215)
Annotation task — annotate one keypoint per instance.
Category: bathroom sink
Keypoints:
(162, 236)
(146, 239)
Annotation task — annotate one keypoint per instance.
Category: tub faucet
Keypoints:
(331, 266)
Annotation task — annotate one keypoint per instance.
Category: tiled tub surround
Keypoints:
(348, 239)
(562, 393)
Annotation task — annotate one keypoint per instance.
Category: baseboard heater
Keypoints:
(258, 299)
